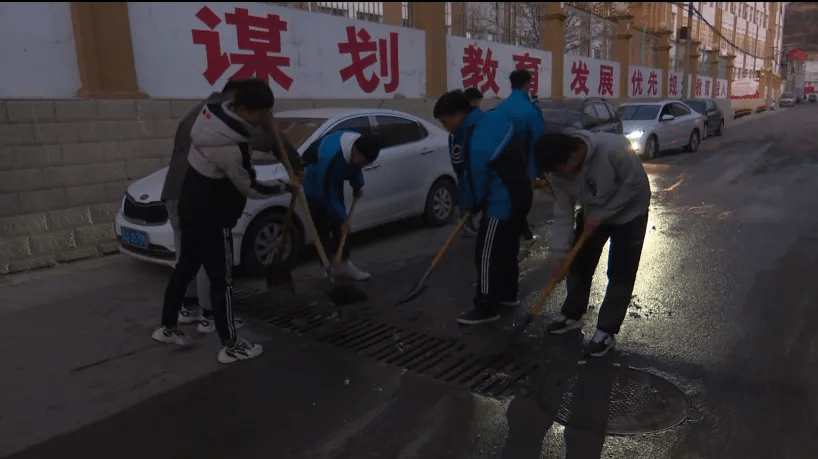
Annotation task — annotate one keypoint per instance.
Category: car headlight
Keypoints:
(635, 135)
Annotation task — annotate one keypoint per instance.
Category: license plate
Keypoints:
(135, 238)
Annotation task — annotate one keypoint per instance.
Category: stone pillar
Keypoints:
(663, 56)
(431, 18)
(730, 65)
(552, 39)
(714, 64)
(393, 13)
(694, 68)
(102, 34)
(458, 19)
(623, 51)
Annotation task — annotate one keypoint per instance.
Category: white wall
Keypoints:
(170, 65)
(38, 56)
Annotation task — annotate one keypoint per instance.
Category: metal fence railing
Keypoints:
(512, 23)
(588, 34)
(643, 49)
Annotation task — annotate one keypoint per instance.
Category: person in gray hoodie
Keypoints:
(598, 173)
(197, 310)
(213, 196)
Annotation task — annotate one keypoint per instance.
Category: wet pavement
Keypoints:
(723, 309)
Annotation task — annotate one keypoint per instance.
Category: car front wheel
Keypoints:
(651, 148)
(693, 144)
(259, 247)
(440, 203)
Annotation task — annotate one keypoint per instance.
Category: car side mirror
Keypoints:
(667, 117)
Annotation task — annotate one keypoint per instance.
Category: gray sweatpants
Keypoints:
(201, 287)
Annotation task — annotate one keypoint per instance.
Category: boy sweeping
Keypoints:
(339, 158)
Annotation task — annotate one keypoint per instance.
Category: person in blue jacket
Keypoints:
(340, 157)
(529, 124)
(475, 97)
(495, 180)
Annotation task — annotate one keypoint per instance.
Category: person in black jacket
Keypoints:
(213, 195)
(195, 310)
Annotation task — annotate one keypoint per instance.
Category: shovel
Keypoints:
(420, 286)
(518, 330)
(339, 294)
(341, 246)
(280, 273)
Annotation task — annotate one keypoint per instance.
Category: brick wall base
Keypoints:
(65, 164)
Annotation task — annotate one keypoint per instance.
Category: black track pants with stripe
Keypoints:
(495, 256)
(210, 246)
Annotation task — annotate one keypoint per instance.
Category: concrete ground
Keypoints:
(722, 309)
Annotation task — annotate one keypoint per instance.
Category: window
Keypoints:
(397, 131)
(589, 115)
(602, 113)
(680, 110)
(359, 124)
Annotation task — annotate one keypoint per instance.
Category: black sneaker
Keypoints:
(562, 325)
(470, 229)
(599, 345)
(510, 303)
(475, 317)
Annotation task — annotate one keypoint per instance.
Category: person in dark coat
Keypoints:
(196, 310)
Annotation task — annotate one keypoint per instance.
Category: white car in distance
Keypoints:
(412, 176)
(652, 127)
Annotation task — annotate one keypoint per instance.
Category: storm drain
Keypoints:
(618, 400)
(445, 360)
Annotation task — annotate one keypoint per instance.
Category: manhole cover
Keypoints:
(617, 400)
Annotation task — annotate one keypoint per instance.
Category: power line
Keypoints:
(701, 17)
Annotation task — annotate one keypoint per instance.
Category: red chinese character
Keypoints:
(717, 88)
(532, 64)
(698, 87)
(476, 69)
(580, 77)
(652, 80)
(673, 85)
(636, 79)
(606, 80)
(262, 36)
(707, 88)
(360, 43)
(217, 61)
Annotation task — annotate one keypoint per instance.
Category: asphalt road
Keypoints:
(723, 309)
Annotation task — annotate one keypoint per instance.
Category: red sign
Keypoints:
(636, 79)
(532, 64)
(364, 53)
(477, 71)
(809, 89)
(797, 54)
(580, 78)
(606, 80)
(261, 35)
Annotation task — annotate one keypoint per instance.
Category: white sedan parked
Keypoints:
(652, 127)
(412, 176)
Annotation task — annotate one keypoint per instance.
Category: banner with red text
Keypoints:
(585, 77)
(644, 82)
(187, 50)
(486, 65)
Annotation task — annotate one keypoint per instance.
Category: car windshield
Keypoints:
(696, 105)
(638, 112)
(787, 95)
(561, 117)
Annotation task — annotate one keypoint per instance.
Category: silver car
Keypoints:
(787, 99)
(652, 127)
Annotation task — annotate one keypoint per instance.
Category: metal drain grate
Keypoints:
(619, 401)
(446, 360)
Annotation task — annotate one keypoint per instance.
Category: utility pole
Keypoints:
(686, 86)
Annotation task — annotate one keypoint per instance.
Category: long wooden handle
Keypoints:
(297, 189)
(288, 218)
(555, 280)
(450, 240)
(344, 236)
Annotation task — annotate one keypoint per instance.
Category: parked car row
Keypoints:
(650, 126)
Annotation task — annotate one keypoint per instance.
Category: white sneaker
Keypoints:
(170, 336)
(209, 326)
(242, 350)
(347, 269)
(190, 316)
